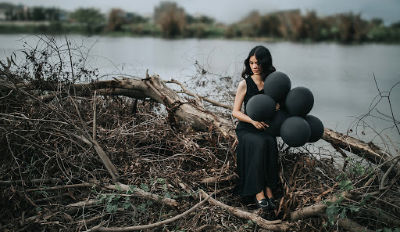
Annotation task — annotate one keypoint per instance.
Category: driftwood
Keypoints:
(154, 88)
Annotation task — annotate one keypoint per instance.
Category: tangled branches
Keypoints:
(92, 157)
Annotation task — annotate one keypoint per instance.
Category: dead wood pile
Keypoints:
(132, 154)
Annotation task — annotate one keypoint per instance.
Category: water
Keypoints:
(340, 76)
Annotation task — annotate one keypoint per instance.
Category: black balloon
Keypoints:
(276, 122)
(277, 85)
(299, 101)
(295, 131)
(316, 126)
(260, 107)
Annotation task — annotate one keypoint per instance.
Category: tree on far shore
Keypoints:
(171, 18)
(92, 18)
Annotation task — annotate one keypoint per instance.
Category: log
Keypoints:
(154, 88)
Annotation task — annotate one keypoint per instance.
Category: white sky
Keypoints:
(228, 11)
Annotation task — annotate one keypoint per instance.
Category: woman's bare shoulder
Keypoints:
(242, 84)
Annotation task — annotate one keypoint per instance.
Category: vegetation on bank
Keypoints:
(171, 21)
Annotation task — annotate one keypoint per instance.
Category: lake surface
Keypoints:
(340, 76)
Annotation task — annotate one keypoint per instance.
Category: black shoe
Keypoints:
(263, 203)
(271, 203)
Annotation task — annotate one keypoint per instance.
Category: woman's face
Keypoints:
(255, 67)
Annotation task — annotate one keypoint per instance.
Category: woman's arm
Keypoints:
(240, 93)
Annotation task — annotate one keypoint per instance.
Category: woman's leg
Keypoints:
(260, 196)
(268, 192)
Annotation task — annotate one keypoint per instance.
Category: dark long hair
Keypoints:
(264, 59)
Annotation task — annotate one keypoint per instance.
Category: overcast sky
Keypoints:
(228, 11)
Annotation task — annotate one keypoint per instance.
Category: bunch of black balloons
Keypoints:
(292, 122)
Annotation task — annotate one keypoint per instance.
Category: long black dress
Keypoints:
(257, 153)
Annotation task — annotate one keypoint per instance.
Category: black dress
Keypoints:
(257, 153)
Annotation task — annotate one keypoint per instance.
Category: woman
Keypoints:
(257, 152)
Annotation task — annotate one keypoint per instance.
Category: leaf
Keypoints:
(167, 195)
(144, 187)
(142, 207)
(111, 208)
(346, 185)
(343, 213)
(332, 211)
(127, 204)
(110, 198)
(131, 189)
(354, 208)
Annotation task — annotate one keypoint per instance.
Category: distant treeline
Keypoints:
(292, 25)
(171, 21)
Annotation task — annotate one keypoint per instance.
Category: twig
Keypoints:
(103, 156)
(144, 194)
(33, 181)
(215, 103)
(84, 203)
(382, 183)
(215, 179)
(94, 116)
(70, 59)
(61, 187)
(96, 228)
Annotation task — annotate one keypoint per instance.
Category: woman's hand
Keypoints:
(260, 125)
(277, 107)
